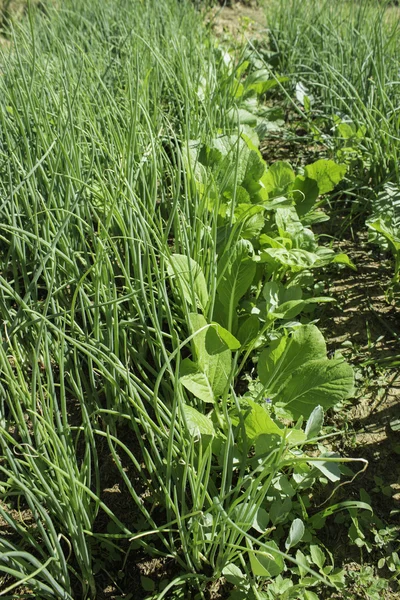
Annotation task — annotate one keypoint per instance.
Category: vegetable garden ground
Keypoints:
(200, 298)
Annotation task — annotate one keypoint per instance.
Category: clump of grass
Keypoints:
(347, 55)
(95, 98)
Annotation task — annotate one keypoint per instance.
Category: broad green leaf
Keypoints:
(289, 310)
(221, 316)
(269, 242)
(305, 194)
(267, 563)
(315, 422)
(236, 272)
(199, 327)
(241, 115)
(295, 534)
(147, 584)
(297, 374)
(388, 232)
(309, 595)
(191, 158)
(277, 363)
(191, 279)
(258, 76)
(288, 223)
(317, 382)
(280, 509)
(278, 179)
(261, 520)
(331, 470)
(196, 381)
(294, 292)
(283, 485)
(302, 563)
(259, 422)
(233, 574)
(243, 515)
(252, 226)
(266, 443)
(343, 259)
(346, 130)
(216, 367)
(296, 437)
(338, 577)
(231, 166)
(252, 219)
(317, 555)
(248, 330)
(197, 423)
(240, 69)
(297, 259)
(255, 168)
(246, 209)
(261, 87)
(285, 303)
(272, 292)
(243, 201)
(314, 216)
(219, 339)
(272, 364)
(276, 202)
(326, 173)
(250, 136)
(281, 588)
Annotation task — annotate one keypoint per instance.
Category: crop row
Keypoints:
(158, 298)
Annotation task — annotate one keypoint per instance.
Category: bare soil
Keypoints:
(240, 21)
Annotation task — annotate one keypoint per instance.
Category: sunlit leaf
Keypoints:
(326, 173)
(295, 534)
